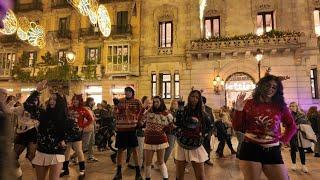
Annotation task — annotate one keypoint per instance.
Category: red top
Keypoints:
(156, 125)
(84, 117)
(261, 123)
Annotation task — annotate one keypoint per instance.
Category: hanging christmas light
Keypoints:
(24, 25)
(35, 34)
(104, 21)
(10, 23)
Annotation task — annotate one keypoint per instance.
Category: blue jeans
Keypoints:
(171, 141)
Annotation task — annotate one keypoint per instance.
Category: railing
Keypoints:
(36, 5)
(63, 34)
(8, 39)
(164, 50)
(56, 4)
(261, 42)
(113, 1)
(89, 32)
(121, 29)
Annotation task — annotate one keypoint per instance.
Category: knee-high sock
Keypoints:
(164, 170)
(148, 171)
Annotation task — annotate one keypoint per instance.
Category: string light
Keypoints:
(10, 23)
(104, 21)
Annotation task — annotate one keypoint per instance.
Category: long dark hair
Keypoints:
(198, 110)
(260, 91)
(162, 105)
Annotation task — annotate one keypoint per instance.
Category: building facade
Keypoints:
(169, 47)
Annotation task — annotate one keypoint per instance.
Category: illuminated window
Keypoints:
(93, 56)
(7, 61)
(165, 86)
(314, 83)
(95, 92)
(265, 22)
(32, 58)
(316, 16)
(212, 27)
(176, 85)
(118, 58)
(165, 34)
(154, 85)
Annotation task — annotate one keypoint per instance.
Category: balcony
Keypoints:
(5, 73)
(113, 1)
(121, 30)
(8, 39)
(89, 33)
(58, 4)
(64, 34)
(245, 44)
(34, 6)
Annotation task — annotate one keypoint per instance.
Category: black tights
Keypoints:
(302, 155)
(222, 143)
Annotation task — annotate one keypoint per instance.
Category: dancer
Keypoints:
(193, 125)
(51, 133)
(157, 120)
(260, 119)
(78, 116)
(126, 113)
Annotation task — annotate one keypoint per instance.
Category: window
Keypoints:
(212, 27)
(316, 16)
(154, 84)
(62, 54)
(92, 56)
(165, 34)
(165, 84)
(32, 59)
(118, 58)
(265, 22)
(176, 85)
(7, 61)
(63, 24)
(314, 83)
(122, 18)
(95, 92)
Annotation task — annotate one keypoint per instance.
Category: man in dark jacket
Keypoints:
(207, 139)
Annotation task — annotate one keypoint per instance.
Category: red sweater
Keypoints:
(261, 123)
(126, 113)
(84, 116)
(156, 125)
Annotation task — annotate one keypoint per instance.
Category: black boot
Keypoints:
(82, 168)
(118, 175)
(138, 173)
(65, 169)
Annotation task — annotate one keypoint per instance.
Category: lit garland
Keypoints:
(96, 13)
(104, 21)
(10, 24)
(27, 31)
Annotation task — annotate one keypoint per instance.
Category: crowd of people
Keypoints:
(58, 133)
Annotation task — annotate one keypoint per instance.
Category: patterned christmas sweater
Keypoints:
(126, 114)
(156, 126)
(84, 118)
(261, 123)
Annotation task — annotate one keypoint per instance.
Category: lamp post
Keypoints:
(70, 56)
(259, 57)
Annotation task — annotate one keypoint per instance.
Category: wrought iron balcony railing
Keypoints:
(121, 29)
(56, 4)
(89, 32)
(5, 39)
(36, 5)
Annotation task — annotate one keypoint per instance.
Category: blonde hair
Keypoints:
(299, 110)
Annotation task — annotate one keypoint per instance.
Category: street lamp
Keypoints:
(70, 56)
(259, 57)
(218, 84)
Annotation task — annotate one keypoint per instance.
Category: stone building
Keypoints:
(172, 48)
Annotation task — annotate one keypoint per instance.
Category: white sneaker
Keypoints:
(294, 167)
(305, 169)
(186, 170)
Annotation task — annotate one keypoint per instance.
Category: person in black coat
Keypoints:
(207, 139)
(51, 135)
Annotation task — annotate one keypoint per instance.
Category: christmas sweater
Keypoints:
(156, 126)
(126, 114)
(261, 123)
(84, 117)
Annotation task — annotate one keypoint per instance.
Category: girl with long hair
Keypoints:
(193, 124)
(314, 118)
(78, 119)
(295, 142)
(157, 120)
(51, 135)
(259, 119)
